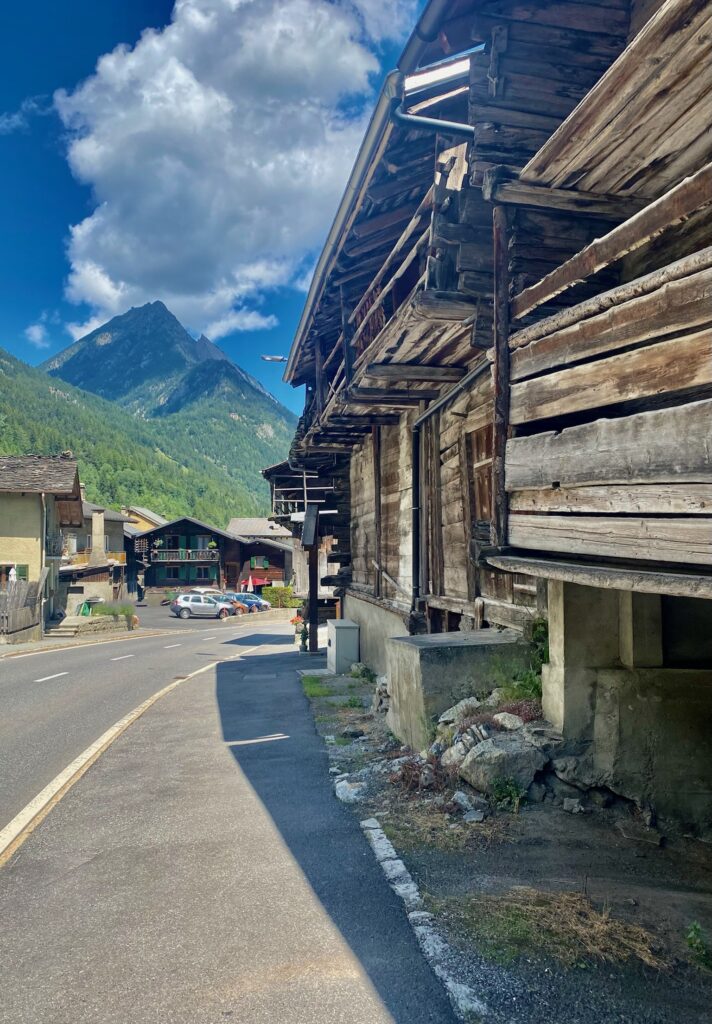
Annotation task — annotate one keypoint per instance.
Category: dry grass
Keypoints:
(562, 925)
(416, 826)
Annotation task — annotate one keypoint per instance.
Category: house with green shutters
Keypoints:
(188, 553)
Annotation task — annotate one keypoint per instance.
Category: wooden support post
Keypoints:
(314, 599)
(499, 187)
(347, 333)
(501, 374)
(467, 517)
(319, 376)
(376, 439)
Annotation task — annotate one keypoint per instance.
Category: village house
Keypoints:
(507, 356)
(39, 497)
(93, 557)
(187, 553)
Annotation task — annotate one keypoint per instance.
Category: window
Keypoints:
(172, 572)
(196, 600)
(21, 572)
(201, 542)
(202, 572)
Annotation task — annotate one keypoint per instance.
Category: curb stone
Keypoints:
(464, 1000)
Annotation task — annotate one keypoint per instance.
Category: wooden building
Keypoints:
(507, 341)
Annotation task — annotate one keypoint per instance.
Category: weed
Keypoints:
(699, 945)
(314, 687)
(411, 775)
(563, 925)
(342, 741)
(361, 671)
(354, 702)
(508, 794)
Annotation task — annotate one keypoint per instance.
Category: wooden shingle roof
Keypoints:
(49, 474)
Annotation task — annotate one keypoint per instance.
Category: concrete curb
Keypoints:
(464, 1000)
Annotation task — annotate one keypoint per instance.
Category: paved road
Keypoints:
(203, 872)
(55, 704)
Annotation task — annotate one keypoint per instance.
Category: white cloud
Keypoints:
(217, 150)
(36, 334)
(240, 320)
(19, 120)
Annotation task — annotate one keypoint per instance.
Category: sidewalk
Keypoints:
(202, 871)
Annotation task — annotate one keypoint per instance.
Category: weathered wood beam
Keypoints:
(643, 499)
(664, 367)
(376, 396)
(692, 194)
(500, 372)
(372, 420)
(663, 539)
(347, 332)
(318, 376)
(611, 577)
(497, 187)
(413, 372)
(676, 306)
(685, 267)
(647, 447)
(438, 305)
(376, 447)
(381, 221)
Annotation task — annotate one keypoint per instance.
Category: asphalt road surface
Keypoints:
(202, 871)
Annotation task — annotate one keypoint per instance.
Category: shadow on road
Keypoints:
(260, 699)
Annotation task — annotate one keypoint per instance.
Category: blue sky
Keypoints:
(200, 164)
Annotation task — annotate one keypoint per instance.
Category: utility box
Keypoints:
(342, 645)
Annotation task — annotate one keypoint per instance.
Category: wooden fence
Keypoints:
(20, 606)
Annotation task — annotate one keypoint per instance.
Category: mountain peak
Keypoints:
(145, 349)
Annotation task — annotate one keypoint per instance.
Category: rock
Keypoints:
(454, 755)
(509, 722)
(577, 771)
(461, 710)
(350, 792)
(381, 698)
(536, 794)
(462, 800)
(542, 736)
(473, 817)
(573, 806)
(503, 757)
(358, 668)
(335, 771)
(497, 696)
(561, 790)
(352, 733)
(436, 749)
(444, 734)
(427, 776)
(469, 739)
(637, 832)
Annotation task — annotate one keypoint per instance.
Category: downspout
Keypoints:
(469, 378)
(43, 557)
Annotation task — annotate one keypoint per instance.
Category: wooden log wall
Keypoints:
(627, 470)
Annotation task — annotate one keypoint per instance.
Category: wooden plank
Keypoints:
(677, 305)
(376, 396)
(665, 539)
(694, 193)
(438, 305)
(662, 446)
(580, 17)
(500, 376)
(670, 498)
(467, 511)
(685, 267)
(406, 372)
(376, 446)
(662, 368)
(644, 63)
(609, 577)
(499, 187)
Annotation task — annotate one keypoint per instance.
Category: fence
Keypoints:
(20, 606)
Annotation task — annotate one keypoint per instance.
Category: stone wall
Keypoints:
(378, 625)
(428, 674)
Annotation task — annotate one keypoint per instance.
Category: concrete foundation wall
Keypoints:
(642, 723)
(653, 739)
(377, 625)
(428, 674)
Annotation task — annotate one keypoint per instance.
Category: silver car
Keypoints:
(187, 605)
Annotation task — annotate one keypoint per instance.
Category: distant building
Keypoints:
(39, 496)
(94, 557)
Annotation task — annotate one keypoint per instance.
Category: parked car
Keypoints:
(252, 599)
(237, 605)
(204, 605)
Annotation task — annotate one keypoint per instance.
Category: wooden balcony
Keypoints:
(185, 555)
(84, 557)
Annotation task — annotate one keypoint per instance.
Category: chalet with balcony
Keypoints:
(188, 553)
(507, 356)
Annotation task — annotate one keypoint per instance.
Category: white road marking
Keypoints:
(209, 638)
(169, 646)
(123, 657)
(55, 676)
(24, 823)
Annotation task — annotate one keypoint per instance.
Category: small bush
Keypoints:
(281, 597)
(699, 945)
(354, 702)
(507, 794)
(361, 671)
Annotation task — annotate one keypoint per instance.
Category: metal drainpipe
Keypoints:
(468, 379)
(430, 124)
